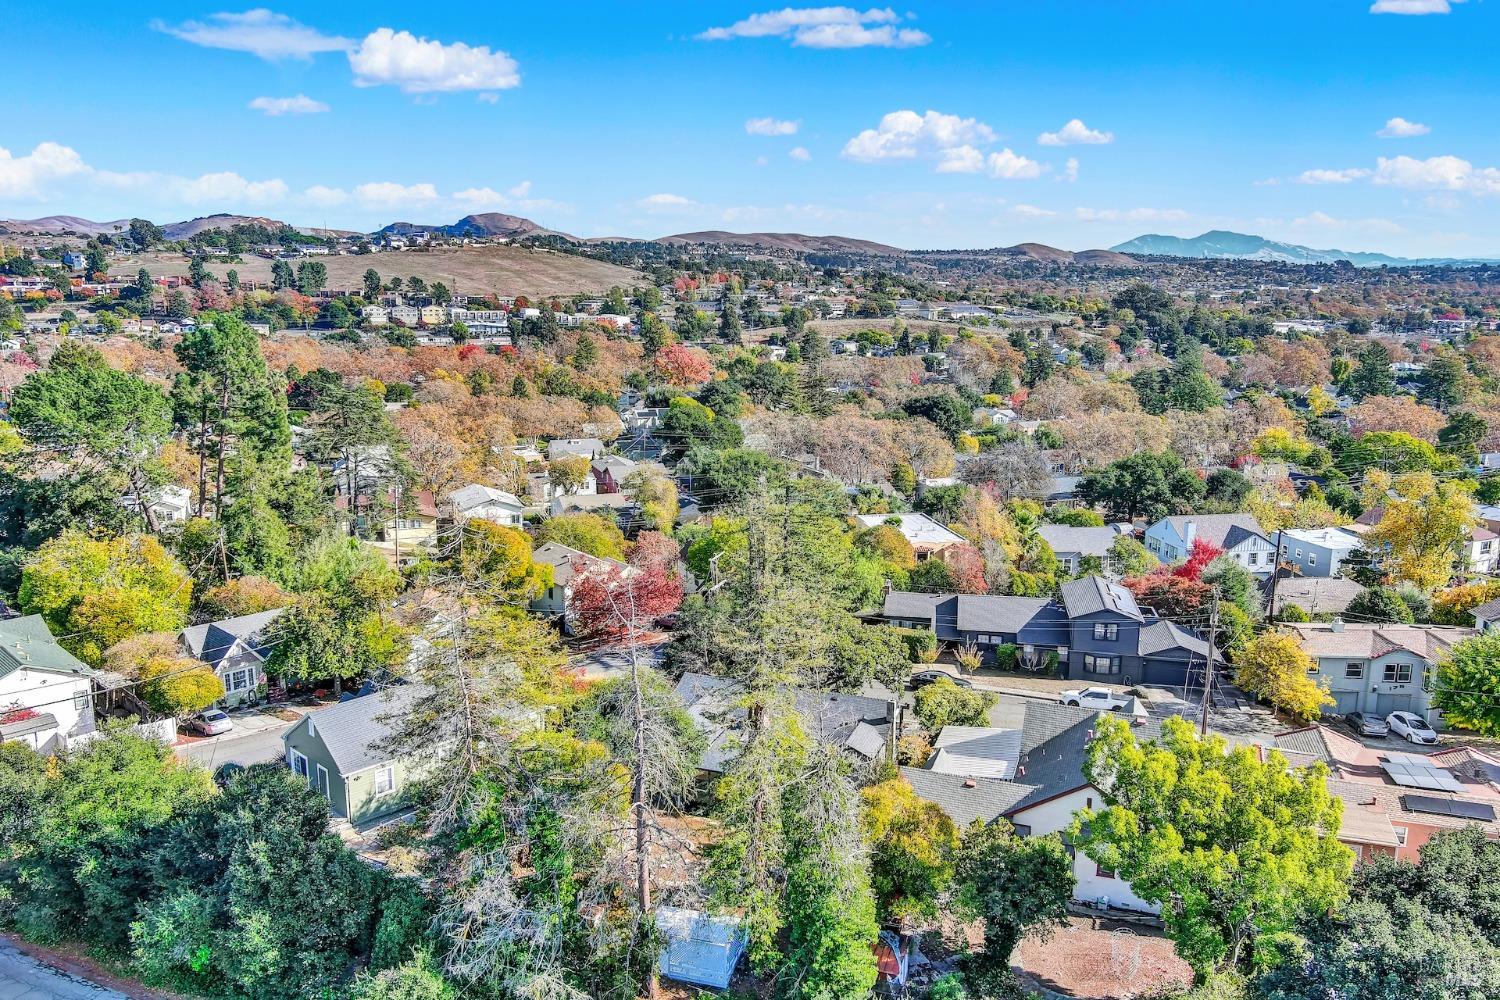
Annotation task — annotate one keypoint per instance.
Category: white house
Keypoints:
(46, 693)
(569, 565)
(1239, 535)
(925, 535)
(168, 504)
(375, 315)
(487, 503)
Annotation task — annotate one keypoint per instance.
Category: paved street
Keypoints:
(243, 747)
(24, 978)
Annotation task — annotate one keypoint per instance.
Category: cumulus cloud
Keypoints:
(1131, 214)
(666, 202)
(299, 105)
(423, 66)
(825, 28)
(1331, 176)
(260, 32)
(1444, 173)
(1075, 133)
(28, 176)
(799, 153)
(1031, 211)
(391, 194)
(905, 135)
(1070, 170)
(1413, 7)
(1009, 166)
(1400, 128)
(771, 126)
(1322, 220)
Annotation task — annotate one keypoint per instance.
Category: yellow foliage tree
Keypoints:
(1425, 525)
(1274, 667)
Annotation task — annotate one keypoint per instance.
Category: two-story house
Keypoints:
(1378, 669)
(1318, 551)
(1239, 535)
(46, 693)
(569, 565)
(1073, 545)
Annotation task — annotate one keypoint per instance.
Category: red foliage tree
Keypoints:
(653, 549)
(1174, 597)
(967, 568)
(681, 365)
(618, 605)
(1201, 554)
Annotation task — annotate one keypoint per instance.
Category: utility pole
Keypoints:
(1275, 575)
(1208, 674)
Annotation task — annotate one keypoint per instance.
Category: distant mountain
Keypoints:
(485, 225)
(784, 241)
(192, 227)
(1238, 246)
(1041, 251)
(61, 224)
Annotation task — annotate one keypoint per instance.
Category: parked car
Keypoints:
(210, 723)
(1101, 698)
(922, 678)
(1411, 727)
(1367, 725)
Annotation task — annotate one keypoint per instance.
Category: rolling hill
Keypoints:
(192, 227)
(1224, 245)
(784, 241)
(484, 225)
(1041, 251)
(60, 225)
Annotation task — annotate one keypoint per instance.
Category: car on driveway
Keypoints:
(922, 678)
(1412, 728)
(210, 723)
(1367, 725)
(1101, 698)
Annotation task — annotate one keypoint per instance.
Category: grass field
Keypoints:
(473, 270)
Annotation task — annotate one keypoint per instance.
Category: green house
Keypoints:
(339, 750)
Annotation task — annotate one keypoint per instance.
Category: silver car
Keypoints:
(1367, 725)
(211, 723)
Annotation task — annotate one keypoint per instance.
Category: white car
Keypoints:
(211, 723)
(1411, 727)
(1101, 698)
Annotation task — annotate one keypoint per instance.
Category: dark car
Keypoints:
(922, 678)
(1367, 725)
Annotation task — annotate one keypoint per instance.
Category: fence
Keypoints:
(162, 730)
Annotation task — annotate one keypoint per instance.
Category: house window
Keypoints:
(80, 700)
(322, 785)
(1400, 835)
(1354, 671)
(1312, 558)
(1398, 673)
(1252, 558)
(1103, 872)
(1299, 552)
(1426, 678)
(1101, 664)
(299, 764)
(1022, 830)
(385, 781)
(239, 680)
(1110, 632)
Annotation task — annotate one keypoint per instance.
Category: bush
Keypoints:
(921, 645)
(172, 943)
(949, 986)
(413, 980)
(403, 927)
(1292, 613)
(1007, 656)
(914, 749)
(944, 703)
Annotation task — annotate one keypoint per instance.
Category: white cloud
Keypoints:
(799, 153)
(260, 32)
(771, 126)
(1324, 221)
(1131, 214)
(28, 176)
(299, 105)
(825, 28)
(1075, 133)
(665, 202)
(1413, 6)
(422, 66)
(1031, 212)
(520, 190)
(905, 135)
(1400, 128)
(490, 97)
(1446, 173)
(322, 196)
(1010, 166)
(1331, 176)
(388, 194)
(1070, 170)
(960, 160)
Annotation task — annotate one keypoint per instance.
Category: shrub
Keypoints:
(1007, 656)
(403, 926)
(172, 943)
(944, 703)
(921, 645)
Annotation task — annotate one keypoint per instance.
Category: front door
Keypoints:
(323, 781)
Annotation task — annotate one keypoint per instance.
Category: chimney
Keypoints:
(887, 587)
(970, 783)
(1190, 532)
(1337, 625)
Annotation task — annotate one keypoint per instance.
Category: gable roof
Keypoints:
(1093, 594)
(352, 731)
(1086, 541)
(919, 529)
(990, 613)
(474, 495)
(1315, 594)
(1363, 640)
(964, 799)
(1162, 636)
(911, 606)
(1224, 530)
(213, 641)
(27, 644)
(1489, 611)
(568, 563)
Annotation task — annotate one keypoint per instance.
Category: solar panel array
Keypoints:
(1416, 771)
(1449, 807)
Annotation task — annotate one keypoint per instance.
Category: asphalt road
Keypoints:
(235, 748)
(24, 978)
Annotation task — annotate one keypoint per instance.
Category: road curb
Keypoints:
(83, 969)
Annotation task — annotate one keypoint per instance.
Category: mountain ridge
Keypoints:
(1222, 244)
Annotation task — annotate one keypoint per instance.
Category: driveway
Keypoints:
(255, 739)
(24, 978)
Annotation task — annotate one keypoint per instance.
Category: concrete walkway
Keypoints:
(24, 978)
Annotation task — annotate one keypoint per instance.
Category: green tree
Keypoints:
(943, 703)
(1146, 484)
(912, 848)
(372, 286)
(1468, 684)
(585, 532)
(282, 275)
(1128, 557)
(1235, 848)
(1015, 885)
(312, 276)
(1372, 376)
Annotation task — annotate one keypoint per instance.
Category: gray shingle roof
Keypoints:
(1489, 611)
(986, 613)
(354, 730)
(910, 606)
(965, 799)
(568, 562)
(1094, 593)
(1315, 594)
(1163, 635)
(1085, 541)
(212, 641)
(1223, 530)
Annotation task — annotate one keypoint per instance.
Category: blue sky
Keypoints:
(1078, 123)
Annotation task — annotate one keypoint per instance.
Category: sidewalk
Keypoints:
(30, 972)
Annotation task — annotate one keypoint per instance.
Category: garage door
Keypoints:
(1387, 703)
(1346, 702)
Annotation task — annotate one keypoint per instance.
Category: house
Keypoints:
(1318, 551)
(569, 565)
(589, 448)
(46, 693)
(375, 315)
(168, 504)
(859, 724)
(1481, 548)
(236, 650)
(700, 948)
(611, 471)
(1377, 669)
(1394, 801)
(981, 620)
(574, 503)
(1317, 595)
(925, 535)
(1487, 616)
(340, 752)
(486, 503)
(432, 315)
(1171, 539)
(1036, 751)
(1073, 545)
(413, 527)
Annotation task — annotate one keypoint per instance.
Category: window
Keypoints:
(1252, 558)
(1103, 872)
(1398, 673)
(1103, 631)
(1400, 835)
(1022, 830)
(322, 785)
(1312, 558)
(239, 680)
(385, 781)
(1354, 671)
(1299, 552)
(1426, 678)
(299, 764)
(1101, 664)
(80, 700)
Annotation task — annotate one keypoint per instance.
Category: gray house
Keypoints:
(236, 649)
(1318, 551)
(1072, 545)
(339, 751)
(1378, 669)
(1239, 535)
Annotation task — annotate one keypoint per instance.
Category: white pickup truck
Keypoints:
(1101, 698)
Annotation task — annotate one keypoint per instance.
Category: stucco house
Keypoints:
(46, 693)
(1378, 669)
(339, 751)
(1318, 551)
(926, 536)
(486, 503)
(236, 649)
(1239, 535)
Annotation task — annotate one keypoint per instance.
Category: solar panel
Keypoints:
(1415, 771)
(1449, 807)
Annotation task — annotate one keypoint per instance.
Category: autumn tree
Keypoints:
(912, 848)
(1425, 524)
(1274, 667)
(585, 532)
